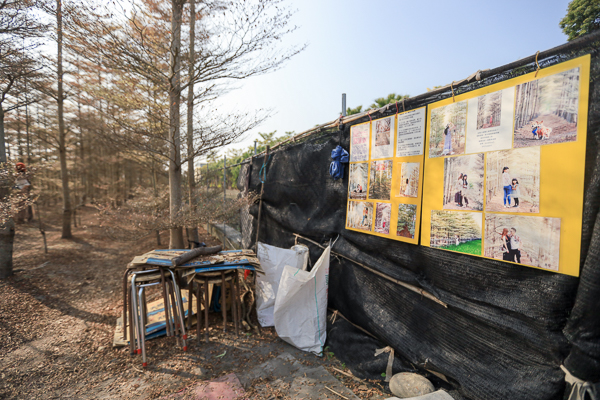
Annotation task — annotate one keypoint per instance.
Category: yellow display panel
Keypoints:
(521, 145)
(386, 176)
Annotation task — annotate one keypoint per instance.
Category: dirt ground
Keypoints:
(497, 204)
(57, 319)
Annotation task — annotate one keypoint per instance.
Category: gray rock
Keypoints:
(405, 385)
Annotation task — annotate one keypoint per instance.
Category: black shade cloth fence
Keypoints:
(507, 328)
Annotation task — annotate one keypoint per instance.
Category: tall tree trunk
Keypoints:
(193, 229)
(62, 148)
(7, 231)
(175, 189)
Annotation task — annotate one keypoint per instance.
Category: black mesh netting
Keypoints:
(507, 328)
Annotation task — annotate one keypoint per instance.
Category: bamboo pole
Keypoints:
(262, 191)
(381, 274)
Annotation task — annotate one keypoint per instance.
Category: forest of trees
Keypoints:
(472, 166)
(447, 225)
(108, 101)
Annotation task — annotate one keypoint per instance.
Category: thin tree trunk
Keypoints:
(7, 231)
(193, 229)
(175, 190)
(62, 148)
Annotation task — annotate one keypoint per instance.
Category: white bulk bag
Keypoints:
(301, 305)
(272, 260)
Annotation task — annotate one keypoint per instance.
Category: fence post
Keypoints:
(224, 187)
(343, 104)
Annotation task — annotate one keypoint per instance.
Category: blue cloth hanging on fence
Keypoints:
(339, 156)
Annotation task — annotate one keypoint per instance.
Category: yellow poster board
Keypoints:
(504, 169)
(386, 176)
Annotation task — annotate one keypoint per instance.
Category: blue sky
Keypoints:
(370, 49)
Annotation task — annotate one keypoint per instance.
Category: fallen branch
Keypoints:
(333, 391)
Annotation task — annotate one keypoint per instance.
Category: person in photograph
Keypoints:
(458, 190)
(507, 184)
(515, 246)
(407, 190)
(456, 239)
(465, 191)
(448, 139)
(365, 216)
(515, 192)
(505, 246)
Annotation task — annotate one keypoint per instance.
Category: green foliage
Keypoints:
(472, 247)
(355, 110)
(583, 16)
(328, 353)
(391, 98)
(235, 156)
(383, 375)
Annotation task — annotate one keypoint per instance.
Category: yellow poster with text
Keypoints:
(504, 169)
(386, 176)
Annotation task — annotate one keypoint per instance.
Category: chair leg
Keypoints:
(206, 305)
(135, 314)
(190, 302)
(141, 308)
(224, 301)
(179, 304)
(131, 326)
(125, 313)
(234, 303)
(174, 312)
(198, 308)
(166, 305)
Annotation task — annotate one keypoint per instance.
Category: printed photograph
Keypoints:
(409, 180)
(383, 131)
(546, 110)
(447, 133)
(380, 184)
(524, 240)
(357, 182)
(463, 182)
(456, 231)
(513, 180)
(360, 215)
(383, 215)
(407, 217)
(489, 110)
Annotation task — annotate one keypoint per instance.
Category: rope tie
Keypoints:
(397, 106)
(262, 174)
(536, 63)
(369, 114)
(452, 88)
(388, 370)
(335, 313)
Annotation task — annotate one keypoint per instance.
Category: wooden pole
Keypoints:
(262, 191)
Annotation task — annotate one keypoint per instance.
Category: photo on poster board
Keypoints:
(407, 217)
(489, 110)
(359, 142)
(410, 133)
(463, 182)
(383, 216)
(456, 231)
(490, 121)
(447, 130)
(358, 180)
(546, 110)
(382, 139)
(513, 180)
(380, 182)
(526, 240)
(409, 179)
(360, 215)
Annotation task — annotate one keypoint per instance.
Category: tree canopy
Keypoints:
(583, 17)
